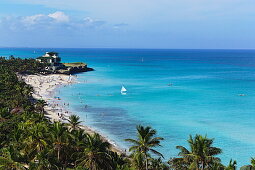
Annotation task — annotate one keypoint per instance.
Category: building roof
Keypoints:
(52, 53)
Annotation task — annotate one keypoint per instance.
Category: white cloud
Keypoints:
(57, 20)
(41, 19)
(59, 16)
(35, 19)
(89, 22)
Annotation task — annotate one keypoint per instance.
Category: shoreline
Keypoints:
(45, 87)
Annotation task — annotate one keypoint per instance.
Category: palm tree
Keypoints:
(74, 121)
(95, 155)
(60, 137)
(202, 153)
(145, 142)
(36, 140)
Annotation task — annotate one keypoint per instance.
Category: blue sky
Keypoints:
(201, 24)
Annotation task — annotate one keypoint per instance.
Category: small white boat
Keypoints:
(123, 90)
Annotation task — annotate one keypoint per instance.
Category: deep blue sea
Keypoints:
(203, 99)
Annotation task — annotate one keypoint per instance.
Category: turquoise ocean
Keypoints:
(203, 97)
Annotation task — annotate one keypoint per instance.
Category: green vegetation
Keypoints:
(22, 66)
(144, 144)
(28, 140)
(201, 155)
(72, 68)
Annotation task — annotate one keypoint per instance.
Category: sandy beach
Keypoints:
(45, 87)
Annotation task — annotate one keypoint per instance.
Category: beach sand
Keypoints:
(45, 87)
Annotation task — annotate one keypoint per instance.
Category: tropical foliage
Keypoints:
(144, 144)
(201, 154)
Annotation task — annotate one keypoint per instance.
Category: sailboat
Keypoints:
(123, 90)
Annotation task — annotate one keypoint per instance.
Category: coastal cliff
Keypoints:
(73, 68)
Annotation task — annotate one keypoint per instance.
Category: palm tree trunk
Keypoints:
(58, 153)
(146, 162)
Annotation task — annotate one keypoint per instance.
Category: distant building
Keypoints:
(52, 59)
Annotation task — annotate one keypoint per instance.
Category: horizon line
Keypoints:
(133, 48)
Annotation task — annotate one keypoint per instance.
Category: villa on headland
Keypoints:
(52, 59)
(54, 64)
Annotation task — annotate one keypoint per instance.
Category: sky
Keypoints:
(171, 24)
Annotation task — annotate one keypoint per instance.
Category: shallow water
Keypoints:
(203, 97)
